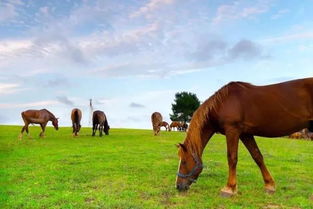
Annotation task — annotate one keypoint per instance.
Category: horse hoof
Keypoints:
(269, 190)
(227, 192)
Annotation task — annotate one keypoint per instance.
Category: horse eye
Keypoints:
(183, 162)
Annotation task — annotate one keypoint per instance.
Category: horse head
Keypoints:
(55, 123)
(106, 128)
(189, 168)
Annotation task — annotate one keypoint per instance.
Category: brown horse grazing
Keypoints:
(296, 135)
(99, 120)
(38, 117)
(176, 124)
(165, 125)
(240, 111)
(76, 117)
(156, 119)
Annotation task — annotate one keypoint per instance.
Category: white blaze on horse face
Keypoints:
(178, 169)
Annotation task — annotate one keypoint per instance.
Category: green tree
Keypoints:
(185, 103)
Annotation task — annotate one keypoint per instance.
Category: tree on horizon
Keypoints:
(185, 103)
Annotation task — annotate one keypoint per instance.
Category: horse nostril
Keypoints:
(180, 187)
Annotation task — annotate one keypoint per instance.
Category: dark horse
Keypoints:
(99, 120)
(38, 117)
(241, 111)
(76, 117)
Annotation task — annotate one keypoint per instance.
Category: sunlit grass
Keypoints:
(134, 169)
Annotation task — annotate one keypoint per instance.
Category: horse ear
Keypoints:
(183, 147)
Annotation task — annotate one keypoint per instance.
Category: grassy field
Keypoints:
(134, 169)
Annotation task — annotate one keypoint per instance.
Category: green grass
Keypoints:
(134, 169)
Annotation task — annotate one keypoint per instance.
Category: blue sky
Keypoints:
(131, 57)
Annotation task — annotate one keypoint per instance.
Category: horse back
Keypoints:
(156, 119)
(270, 110)
(35, 116)
(98, 117)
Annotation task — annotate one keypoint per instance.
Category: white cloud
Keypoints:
(308, 35)
(13, 48)
(239, 10)
(7, 12)
(9, 88)
(280, 14)
(39, 104)
(150, 7)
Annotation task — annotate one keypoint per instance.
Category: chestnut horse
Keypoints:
(165, 125)
(156, 119)
(176, 124)
(296, 135)
(241, 111)
(99, 120)
(76, 117)
(38, 117)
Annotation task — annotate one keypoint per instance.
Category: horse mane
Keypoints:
(50, 113)
(201, 118)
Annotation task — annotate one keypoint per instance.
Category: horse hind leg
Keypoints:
(101, 130)
(75, 129)
(22, 131)
(256, 154)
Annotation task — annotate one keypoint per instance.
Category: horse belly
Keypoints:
(276, 128)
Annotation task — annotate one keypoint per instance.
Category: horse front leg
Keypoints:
(232, 139)
(256, 154)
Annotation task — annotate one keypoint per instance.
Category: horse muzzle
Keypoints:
(182, 187)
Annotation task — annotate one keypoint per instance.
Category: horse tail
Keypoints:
(76, 116)
(23, 114)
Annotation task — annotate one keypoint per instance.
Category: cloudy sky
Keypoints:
(132, 56)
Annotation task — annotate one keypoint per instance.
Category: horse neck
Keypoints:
(51, 116)
(197, 138)
(200, 129)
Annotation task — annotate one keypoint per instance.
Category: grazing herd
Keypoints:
(238, 110)
(157, 123)
(303, 134)
(42, 117)
(99, 122)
